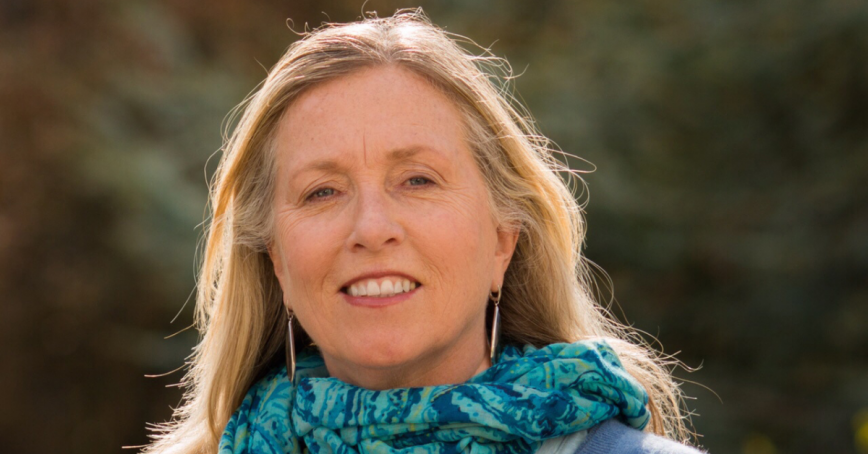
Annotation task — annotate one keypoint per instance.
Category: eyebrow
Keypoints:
(400, 154)
(397, 154)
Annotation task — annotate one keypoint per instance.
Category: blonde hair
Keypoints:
(547, 293)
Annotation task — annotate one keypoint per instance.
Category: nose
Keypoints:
(376, 222)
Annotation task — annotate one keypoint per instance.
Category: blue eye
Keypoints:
(418, 181)
(321, 193)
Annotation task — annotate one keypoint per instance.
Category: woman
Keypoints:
(391, 228)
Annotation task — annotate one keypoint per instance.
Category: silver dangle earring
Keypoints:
(290, 348)
(495, 326)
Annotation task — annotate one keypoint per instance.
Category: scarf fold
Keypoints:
(529, 396)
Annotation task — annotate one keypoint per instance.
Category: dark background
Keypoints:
(729, 204)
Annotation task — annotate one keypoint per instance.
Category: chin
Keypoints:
(384, 352)
(385, 355)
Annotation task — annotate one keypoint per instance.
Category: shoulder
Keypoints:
(615, 437)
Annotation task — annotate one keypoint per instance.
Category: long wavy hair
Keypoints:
(548, 294)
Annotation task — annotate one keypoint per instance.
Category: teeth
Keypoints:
(373, 289)
(386, 288)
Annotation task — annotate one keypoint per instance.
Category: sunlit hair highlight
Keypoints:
(547, 292)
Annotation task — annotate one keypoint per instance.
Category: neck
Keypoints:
(438, 368)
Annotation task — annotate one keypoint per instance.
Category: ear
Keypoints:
(507, 238)
(275, 253)
(276, 261)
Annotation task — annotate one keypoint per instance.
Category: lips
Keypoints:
(381, 286)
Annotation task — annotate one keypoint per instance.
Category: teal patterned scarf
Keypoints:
(530, 395)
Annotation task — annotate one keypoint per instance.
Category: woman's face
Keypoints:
(377, 191)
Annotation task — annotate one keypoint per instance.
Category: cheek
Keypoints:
(460, 248)
(308, 249)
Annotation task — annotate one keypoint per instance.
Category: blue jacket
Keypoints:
(614, 437)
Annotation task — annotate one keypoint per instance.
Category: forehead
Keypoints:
(373, 111)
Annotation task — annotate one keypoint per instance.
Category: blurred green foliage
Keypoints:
(729, 204)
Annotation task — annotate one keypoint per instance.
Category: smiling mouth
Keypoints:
(381, 288)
